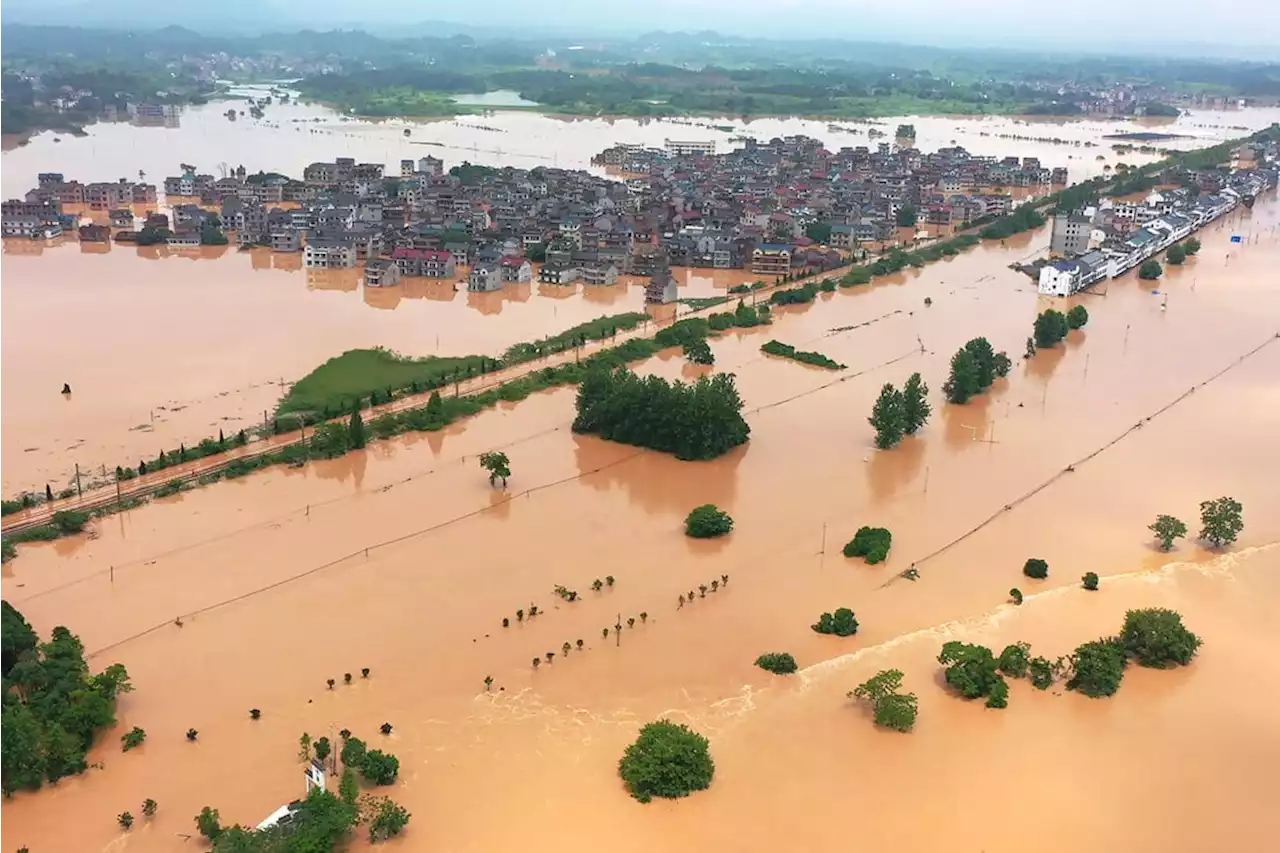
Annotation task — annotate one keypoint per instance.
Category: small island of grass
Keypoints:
(787, 351)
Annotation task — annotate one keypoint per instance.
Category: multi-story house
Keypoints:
(381, 272)
(515, 269)
(559, 273)
(484, 277)
(771, 259)
(424, 262)
(329, 253)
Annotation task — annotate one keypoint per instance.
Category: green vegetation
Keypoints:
(871, 543)
(906, 216)
(974, 367)
(701, 303)
(209, 823)
(498, 466)
(1024, 218)
(149, 807)
(707, 522)
(1014, 661)
(1167, 528)
(1090, 581)
(380, 768)
(386, 817)
(134, 737)
(345, 381)
(320, 823)
(1150, 270)
(1097, 668)
(53, 705)
(801, 295)
(699, 352)
(892, 710)
(842, 623)
(1041, 672)
(1176, 255)
(900, 413)
(1015, 595)
(1191, 245)
(1036, 568)
(787, 351)
(779, 663)
(1051, 327)
(1221, 521)
(698, 421)
(972, 671)
(1156, 637)
(666, 760)
(1077, 317)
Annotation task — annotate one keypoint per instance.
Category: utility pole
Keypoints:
(79, 491)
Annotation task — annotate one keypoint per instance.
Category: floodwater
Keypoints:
(402, 559)
(163, 347)
(496, 99)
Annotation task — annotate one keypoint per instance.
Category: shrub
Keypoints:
(998, 697)
(386, 818)
(1036, 568)
(1051, 327)
(1041, 672)
(380, 768)
(1097, 668)
(208, 823)
(69, 521)
(1156, 637)
(1077, 317)
(1013, 660)
(1167, 528)
(1221, 521)
(707, 522)
(353, 752)
(842, 623)
(134, 737)
(1090, 580)
(892, 709)
(871, 543)
(1015, 595)
(971, 669)
(666, 760)
(779, 663)
(1150, 270)
(1176, 255)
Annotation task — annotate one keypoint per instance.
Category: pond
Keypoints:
(497, 99)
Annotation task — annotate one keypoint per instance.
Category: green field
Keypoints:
(357, 373)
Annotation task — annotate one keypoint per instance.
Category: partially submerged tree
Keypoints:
(1156, 637)
(498, 466)
(888, 417)
(666, 760)
(707, 522)
(892, 710)
(870, 543)
(1090, 581)
(1050, 327)
(842, 623)
(1097, 668)
(779, 663)
(1036, 568)
(1014, 660)
(972, 670)
(1221, 521)
(915, 404)
(134, 737)
(1167, 528)
(1150, 270)
(1077, 317)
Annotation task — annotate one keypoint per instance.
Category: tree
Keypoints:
(353, 753)
(386, 817)
(48, 490)
(380, 768)
(666, 760)
(779, 663)
(888, 416)
(999, 695)
(1176, 255)
(1031, 348)
(1014, 660)
(149, 807)
(915, 404)
(1221, 521)
(707, 522)
(192, 734)
(1016, 595)
(1050, 327)
(892, 710)
(134, 737)
(1150, 270)
(17, 637)
(1167, 528)
(971, 669)
(1041, 672)
(1156, 637)
(906, 216)
(699, 352)
(322, 749)
(385, 728)
(819, 232)
(255, 714)
(1077, 317)
(355, 429)
(1036, 568)
(125, 820)
(871, 543)
(498, 466)
(209, 823)
(842, 623)
(1191, 246)
(1097, 668)
(1090, 581)
(963, 383)
(349, 786)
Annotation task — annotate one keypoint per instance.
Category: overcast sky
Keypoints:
(1074, 26)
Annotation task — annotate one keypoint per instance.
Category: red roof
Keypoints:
(511, 260)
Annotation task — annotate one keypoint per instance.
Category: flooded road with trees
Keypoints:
(402, 558)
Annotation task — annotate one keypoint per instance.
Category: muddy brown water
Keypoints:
(271, 578)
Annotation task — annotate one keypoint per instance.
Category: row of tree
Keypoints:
(701, 420)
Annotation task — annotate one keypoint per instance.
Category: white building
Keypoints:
(314, 774)
(678, 148)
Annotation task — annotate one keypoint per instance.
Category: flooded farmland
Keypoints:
(402, 559)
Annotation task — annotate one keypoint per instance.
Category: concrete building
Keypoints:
(604, 274)
(1070, 234)
(485, 277)
(661, 288)
(329, 253)
(381, 272)
(515, 269)
(771, 259)
(678, 148)
(551, 273)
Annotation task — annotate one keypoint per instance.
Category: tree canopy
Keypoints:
(701, 420)
(1097, 668)
(53, 705)
(666, 760)
(892, 710)
(1176, 255)
(1036, 568)
(1077, 317)
(972, 670)
(973, 368)
(1156, 637)
(497, 464)
(1167, 528)
(842, 623)
(707, 522)
(1150, 270)
(1221, 521)
(779, 663)
(871, 543)
(888, 417)
(1051, 327)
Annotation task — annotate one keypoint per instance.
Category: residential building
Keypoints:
(515, 269)
(121, 218)
(600, 274)
(484, 278)
(559, 273)
(329, 253)
(661, 288)
(95, 234)
(381, 272)
(424, 262)
(1070, 234)
(771, 259)
(286, 240)
(677, 148)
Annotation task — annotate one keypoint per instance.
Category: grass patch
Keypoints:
(787, 351)
(342, 381)
(698, 303)
(592, 330)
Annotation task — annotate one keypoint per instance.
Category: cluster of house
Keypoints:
(1107, 239)
(774, 208)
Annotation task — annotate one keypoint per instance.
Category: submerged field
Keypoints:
(402, 558)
